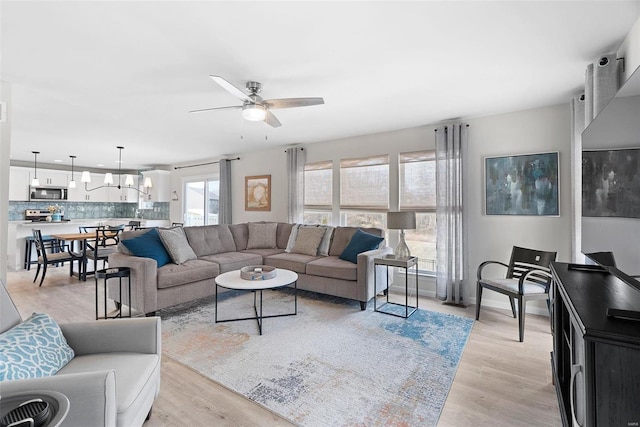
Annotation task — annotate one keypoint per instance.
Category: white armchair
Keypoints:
(114, 377)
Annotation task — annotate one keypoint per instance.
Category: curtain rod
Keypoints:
(203, 164)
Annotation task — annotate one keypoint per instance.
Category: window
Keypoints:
(364, 183)
(318, 192)
(201, 201)
(364, 191)
(418, 193)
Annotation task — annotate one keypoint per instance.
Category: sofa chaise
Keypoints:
(316, 256)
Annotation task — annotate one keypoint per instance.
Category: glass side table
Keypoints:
(396, 309)
(104, 276)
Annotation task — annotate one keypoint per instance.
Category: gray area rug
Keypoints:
(330, 365)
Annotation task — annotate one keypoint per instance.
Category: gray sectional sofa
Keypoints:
(221, 248)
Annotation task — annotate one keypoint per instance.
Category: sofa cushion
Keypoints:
(262, 235)
(333, 267)
(283, 233)
(240, 233)
(190, 271)
(360, 242)
(307, 241)
(176, 244)
(342, 236)
(265, 252)
(230, 261)
(210, 239)
(133, 372)
(293, 262)
(32, 349)
(127, 235)
(148, 245)
(292, 237)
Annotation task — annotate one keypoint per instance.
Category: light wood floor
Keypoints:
(499, 382)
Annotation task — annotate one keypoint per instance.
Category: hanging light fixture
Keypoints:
(35, 182)
(72, 183)
(108, 178)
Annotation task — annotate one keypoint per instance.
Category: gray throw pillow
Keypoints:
(262, 235)
(308, 240)
(292, 237)
(176, 243)
(323, 249)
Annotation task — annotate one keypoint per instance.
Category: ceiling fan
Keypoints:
(254, 108)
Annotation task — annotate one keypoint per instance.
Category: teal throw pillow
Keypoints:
(149, 245)
(360, 242)
(34, 348)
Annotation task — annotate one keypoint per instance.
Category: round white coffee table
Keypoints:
(232, 280)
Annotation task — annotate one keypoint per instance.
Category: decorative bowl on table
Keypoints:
(258, 272)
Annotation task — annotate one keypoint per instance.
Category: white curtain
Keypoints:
(224, 209)
(451, 143)
(296, 158)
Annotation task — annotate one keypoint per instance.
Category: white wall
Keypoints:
(490, 237)
(5, 150)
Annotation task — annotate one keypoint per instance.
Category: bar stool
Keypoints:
(28, 244)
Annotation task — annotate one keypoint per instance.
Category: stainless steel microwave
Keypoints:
(48, 193)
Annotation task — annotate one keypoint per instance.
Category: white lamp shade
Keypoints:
(72, 184)
(128, 180)
(86, 177)
(405, 220)
(35, 182)
(108, 178)
(254, 113)
(147, 182)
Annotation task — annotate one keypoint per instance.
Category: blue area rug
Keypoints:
(331, 365)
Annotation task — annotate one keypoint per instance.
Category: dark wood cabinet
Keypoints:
(595, 358)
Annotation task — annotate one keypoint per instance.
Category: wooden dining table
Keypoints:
(82, 238)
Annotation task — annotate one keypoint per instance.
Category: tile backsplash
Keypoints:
(88, 210)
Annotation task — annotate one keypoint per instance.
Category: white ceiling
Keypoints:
(88, 76)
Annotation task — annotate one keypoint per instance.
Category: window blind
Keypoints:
(364, 183)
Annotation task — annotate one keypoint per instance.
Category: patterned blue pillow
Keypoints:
(149, 245)
(34, 348)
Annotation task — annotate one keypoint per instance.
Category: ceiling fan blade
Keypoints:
(293, 102)
(232, 107)
(271, 120)
(231, 88)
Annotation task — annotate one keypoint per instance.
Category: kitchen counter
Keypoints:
(19, 230)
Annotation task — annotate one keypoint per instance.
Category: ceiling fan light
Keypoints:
(254, 112)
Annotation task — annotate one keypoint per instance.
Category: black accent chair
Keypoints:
(60, 254)
(528, 277)
(133, 224)
(98, 249)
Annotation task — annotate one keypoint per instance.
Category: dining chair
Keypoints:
(98, 248)
(61, 254)
(133, 224)
(528, 277)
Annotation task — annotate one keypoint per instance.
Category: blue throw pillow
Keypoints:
(360, 242)
(34, 348)
(149, 245)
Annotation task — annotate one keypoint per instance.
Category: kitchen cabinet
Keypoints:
(595, 357)
(161, 181)
(49, 177)
(18, 184)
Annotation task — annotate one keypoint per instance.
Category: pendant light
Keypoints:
(72, 183)
(108, 178)
(34, 181)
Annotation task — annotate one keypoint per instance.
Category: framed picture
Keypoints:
(257, 196)
(611, 183)
(525, 184)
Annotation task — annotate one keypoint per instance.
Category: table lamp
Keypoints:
(405, 220)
